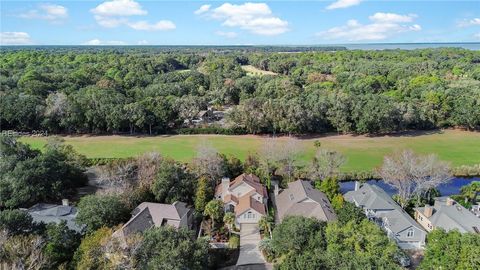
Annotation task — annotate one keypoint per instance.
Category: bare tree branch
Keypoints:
(413, 175)
(326, 163)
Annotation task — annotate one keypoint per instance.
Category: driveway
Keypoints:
(249, 240)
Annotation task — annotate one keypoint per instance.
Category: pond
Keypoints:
(451, 188)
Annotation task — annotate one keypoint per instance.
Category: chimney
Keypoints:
(357, 185)
(428, 212)
(276, 188)
(225, 186)
(65, 202)
(450, 201)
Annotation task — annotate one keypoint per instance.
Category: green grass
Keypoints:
(363, 153)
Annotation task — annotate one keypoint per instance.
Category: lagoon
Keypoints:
(451, 188)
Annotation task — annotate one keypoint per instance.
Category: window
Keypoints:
(410, 233)
(249, 214)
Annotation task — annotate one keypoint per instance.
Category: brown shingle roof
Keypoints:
(251, 180)
(246, 202)
(301, 199)
(230, 198)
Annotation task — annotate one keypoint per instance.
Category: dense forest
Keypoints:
(151, 90)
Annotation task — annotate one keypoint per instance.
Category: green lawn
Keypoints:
(253, 71)
(363, 153)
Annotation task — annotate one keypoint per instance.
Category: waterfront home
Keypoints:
(301, 199)
(383, 210)
(447, 214)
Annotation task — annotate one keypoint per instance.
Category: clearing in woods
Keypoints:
(253, 71)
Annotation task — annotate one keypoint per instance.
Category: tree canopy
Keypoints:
(154, 90)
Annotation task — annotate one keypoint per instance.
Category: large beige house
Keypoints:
(301, 199)
(245, 196)
(447, 214)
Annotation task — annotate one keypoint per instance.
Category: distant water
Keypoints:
(293, 48)
(411, 46)
(451, 188)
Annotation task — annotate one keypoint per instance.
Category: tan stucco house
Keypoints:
(245, 196)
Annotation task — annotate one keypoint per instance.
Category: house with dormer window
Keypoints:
(380, 208)
(245, 196)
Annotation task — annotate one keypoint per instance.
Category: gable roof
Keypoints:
(252, 180)
(371, 197)
(375, 198)
(52, 213)
(246, 203)
(453, 216)
(301, 199)
(148, 215)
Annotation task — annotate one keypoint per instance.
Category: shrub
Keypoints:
(234, 241)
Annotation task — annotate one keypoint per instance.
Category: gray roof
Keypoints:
(52, 213)
(301, 199)
(148, 214)
(451, 217)
(372, 197)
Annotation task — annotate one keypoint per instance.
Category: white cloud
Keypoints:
(110, 22)
(142, 42)
(158, 26)
(227, 34)
(98, 42)
(119, 8)
(343, 4)
(202, 9)
(477, 36)
(115, 13)
(466, 23)
(381, 17)
(256, 18)
(15, 38)
(49, 12)
(382, 26)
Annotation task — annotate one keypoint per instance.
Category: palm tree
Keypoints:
(214, 209)
(229, 220)
(265, 224)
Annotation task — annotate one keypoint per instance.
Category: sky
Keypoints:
(281, 22)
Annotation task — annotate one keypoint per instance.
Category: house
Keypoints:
(447, 214)
(301, 199)
(245, 196)
(53, 213)
(148, 215)
(383, 210)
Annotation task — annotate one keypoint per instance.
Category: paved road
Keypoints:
(249, 240)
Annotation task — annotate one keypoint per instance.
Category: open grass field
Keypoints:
(363, 153)
(253, 71)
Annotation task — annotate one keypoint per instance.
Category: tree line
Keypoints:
(155, 91)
